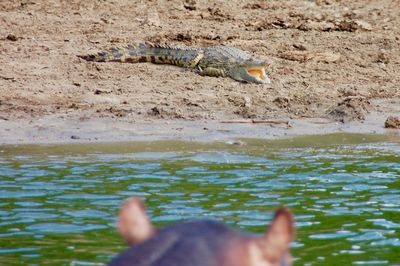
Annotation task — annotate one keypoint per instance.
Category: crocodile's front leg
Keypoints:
(210, 71)
(193, 62)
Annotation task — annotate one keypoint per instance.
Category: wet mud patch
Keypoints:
(350, 108)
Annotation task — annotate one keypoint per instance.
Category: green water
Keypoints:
(58, 203)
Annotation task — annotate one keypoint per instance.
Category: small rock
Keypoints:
(183, 37)
(348, 92)
(236, 142)
(282, 102)
(75, 137)
(153, 19)
(12, 37)
(155, 111)
(247, 101)
(299, 47)
(353, 25)
(383, 57)
(219, 14)
(240, 101)
(260, 5)
(363, 25)
(104, 20)
(392, 122)
(190, 4)
(327, 57)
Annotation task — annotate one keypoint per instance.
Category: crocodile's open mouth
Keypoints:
(258, 73)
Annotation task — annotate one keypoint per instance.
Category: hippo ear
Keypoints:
(279, 235)
(134, 225)
(282, 225)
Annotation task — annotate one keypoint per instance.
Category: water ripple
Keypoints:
(346, 200)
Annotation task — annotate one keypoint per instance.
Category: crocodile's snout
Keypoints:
(250, 74)
(258, 73)
(255, 71)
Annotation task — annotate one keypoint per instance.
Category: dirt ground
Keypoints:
(332, 59)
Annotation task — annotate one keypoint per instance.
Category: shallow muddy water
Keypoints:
(58, 203)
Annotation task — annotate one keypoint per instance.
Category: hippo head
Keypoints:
(201, 242)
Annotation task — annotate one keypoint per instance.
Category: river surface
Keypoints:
(58, 204)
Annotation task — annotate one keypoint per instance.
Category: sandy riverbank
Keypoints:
(335, 67)
(64, 129)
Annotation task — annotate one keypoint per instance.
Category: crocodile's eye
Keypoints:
(257, 72)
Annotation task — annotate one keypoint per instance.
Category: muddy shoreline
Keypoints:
(66, 130)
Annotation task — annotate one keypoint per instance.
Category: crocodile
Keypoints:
(215, 61)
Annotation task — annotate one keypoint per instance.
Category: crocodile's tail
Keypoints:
(147, 52)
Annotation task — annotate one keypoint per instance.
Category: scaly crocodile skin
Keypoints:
(216, 61)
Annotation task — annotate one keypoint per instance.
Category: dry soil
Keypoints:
(335, 60)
